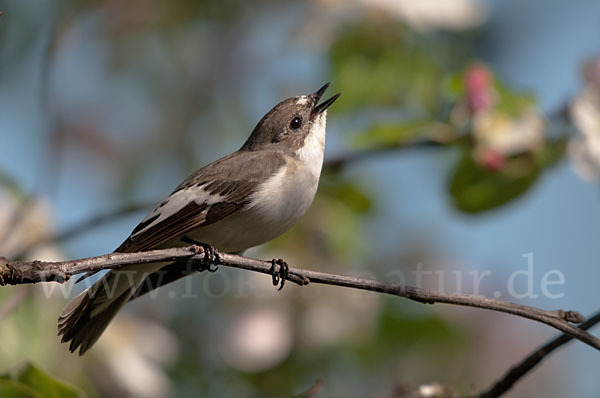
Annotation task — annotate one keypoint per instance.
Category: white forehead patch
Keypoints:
(302, 100)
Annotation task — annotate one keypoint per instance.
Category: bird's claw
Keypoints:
(211, 255)
(279, 272)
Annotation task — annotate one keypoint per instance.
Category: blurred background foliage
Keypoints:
(106, 105)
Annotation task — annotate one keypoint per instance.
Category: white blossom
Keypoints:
(24, 224)
(258, 340)
(584, 150)
(422, 15)
(508, 135)
(135, 352)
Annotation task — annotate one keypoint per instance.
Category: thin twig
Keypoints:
(99, 220)
(94, 222)
(336, 162)
(17, 272)
(523, 367)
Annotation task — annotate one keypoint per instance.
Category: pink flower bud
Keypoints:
(490, 159)
(479, 86)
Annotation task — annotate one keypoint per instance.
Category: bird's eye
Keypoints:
(296, 123)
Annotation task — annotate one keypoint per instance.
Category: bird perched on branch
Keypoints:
(239, 201)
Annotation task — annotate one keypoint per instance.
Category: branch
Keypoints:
(99, 220)
(83, 226)
(521, 369)
(337, 162)
(17, 272)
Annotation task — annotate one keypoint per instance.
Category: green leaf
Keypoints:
(385, 65)
(475, 189)
(44, 384)
(347, 193)
(14, 389)
(385, 135)
(511, 102)
(397, 328)
(552, 152)
(453, 86)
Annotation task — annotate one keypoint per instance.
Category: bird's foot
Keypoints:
(279, 272)
(211, 255)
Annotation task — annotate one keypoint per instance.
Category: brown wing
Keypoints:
(232, 178)
(190, 217)
(178, 224)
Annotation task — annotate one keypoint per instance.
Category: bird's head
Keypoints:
(290, 122)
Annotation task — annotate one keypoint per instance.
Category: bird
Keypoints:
(239, 201)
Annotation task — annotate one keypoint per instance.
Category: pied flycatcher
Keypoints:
(239, 201)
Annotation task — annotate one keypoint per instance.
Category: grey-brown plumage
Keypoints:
(233, 177)
(241, 200)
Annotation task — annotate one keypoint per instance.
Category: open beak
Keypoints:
(320, 108)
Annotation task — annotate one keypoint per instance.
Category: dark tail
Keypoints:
(84, 318)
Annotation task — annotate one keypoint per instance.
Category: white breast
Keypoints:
(311, 155)
(286, 196)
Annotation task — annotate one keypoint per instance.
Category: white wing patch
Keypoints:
(177, 201)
